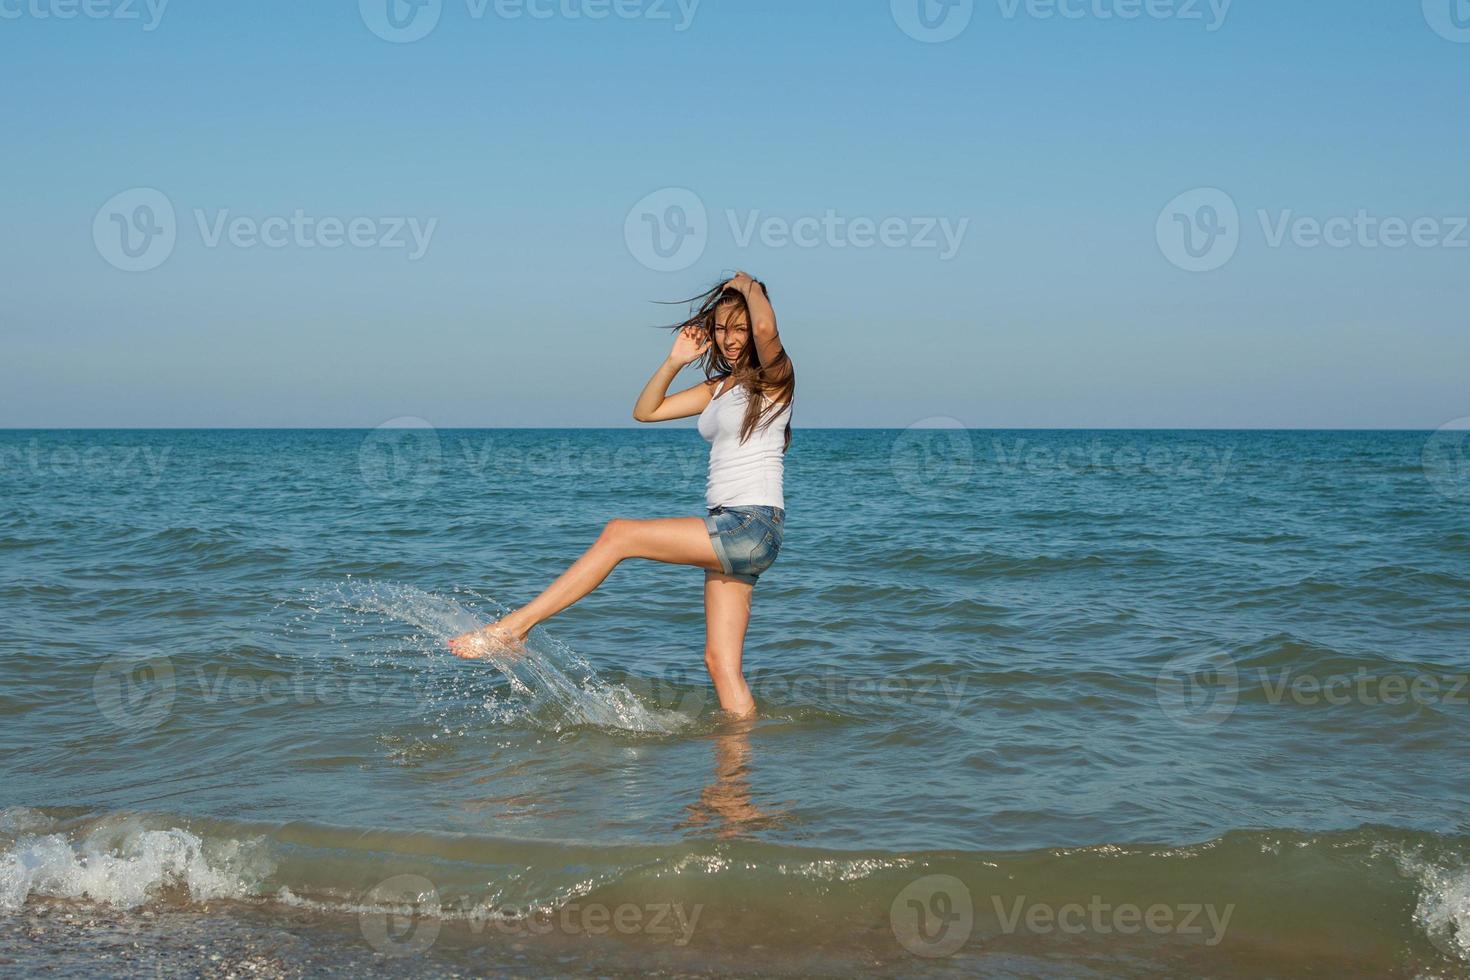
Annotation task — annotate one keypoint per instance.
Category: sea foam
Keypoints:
(124, 869)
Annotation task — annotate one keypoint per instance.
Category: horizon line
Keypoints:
(619, 428)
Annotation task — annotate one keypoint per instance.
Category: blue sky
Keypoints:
(1054, 149)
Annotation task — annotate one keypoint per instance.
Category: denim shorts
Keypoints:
(746, 538)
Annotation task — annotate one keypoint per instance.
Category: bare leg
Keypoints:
(726, 615)
(676, 540)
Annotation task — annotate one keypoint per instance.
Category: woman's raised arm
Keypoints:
(654, 404)
(762, 323)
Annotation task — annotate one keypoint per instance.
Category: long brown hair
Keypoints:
(776, 380)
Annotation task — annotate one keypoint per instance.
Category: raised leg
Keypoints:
(676, 540)
(726, 616)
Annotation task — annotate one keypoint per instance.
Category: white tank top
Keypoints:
(746, 473)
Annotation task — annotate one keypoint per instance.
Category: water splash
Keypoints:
(1443, 908)
(550, 685)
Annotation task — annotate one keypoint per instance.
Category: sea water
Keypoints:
(1031, 703)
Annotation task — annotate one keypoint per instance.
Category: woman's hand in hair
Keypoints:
(742, 284)
(689, 345)
(762, 317)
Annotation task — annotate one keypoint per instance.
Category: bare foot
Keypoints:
(495, 638)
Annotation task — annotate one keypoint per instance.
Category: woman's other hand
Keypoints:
(691, 343)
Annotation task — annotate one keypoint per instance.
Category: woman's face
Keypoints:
(732, 332)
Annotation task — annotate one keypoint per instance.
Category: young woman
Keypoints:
(744, 408)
